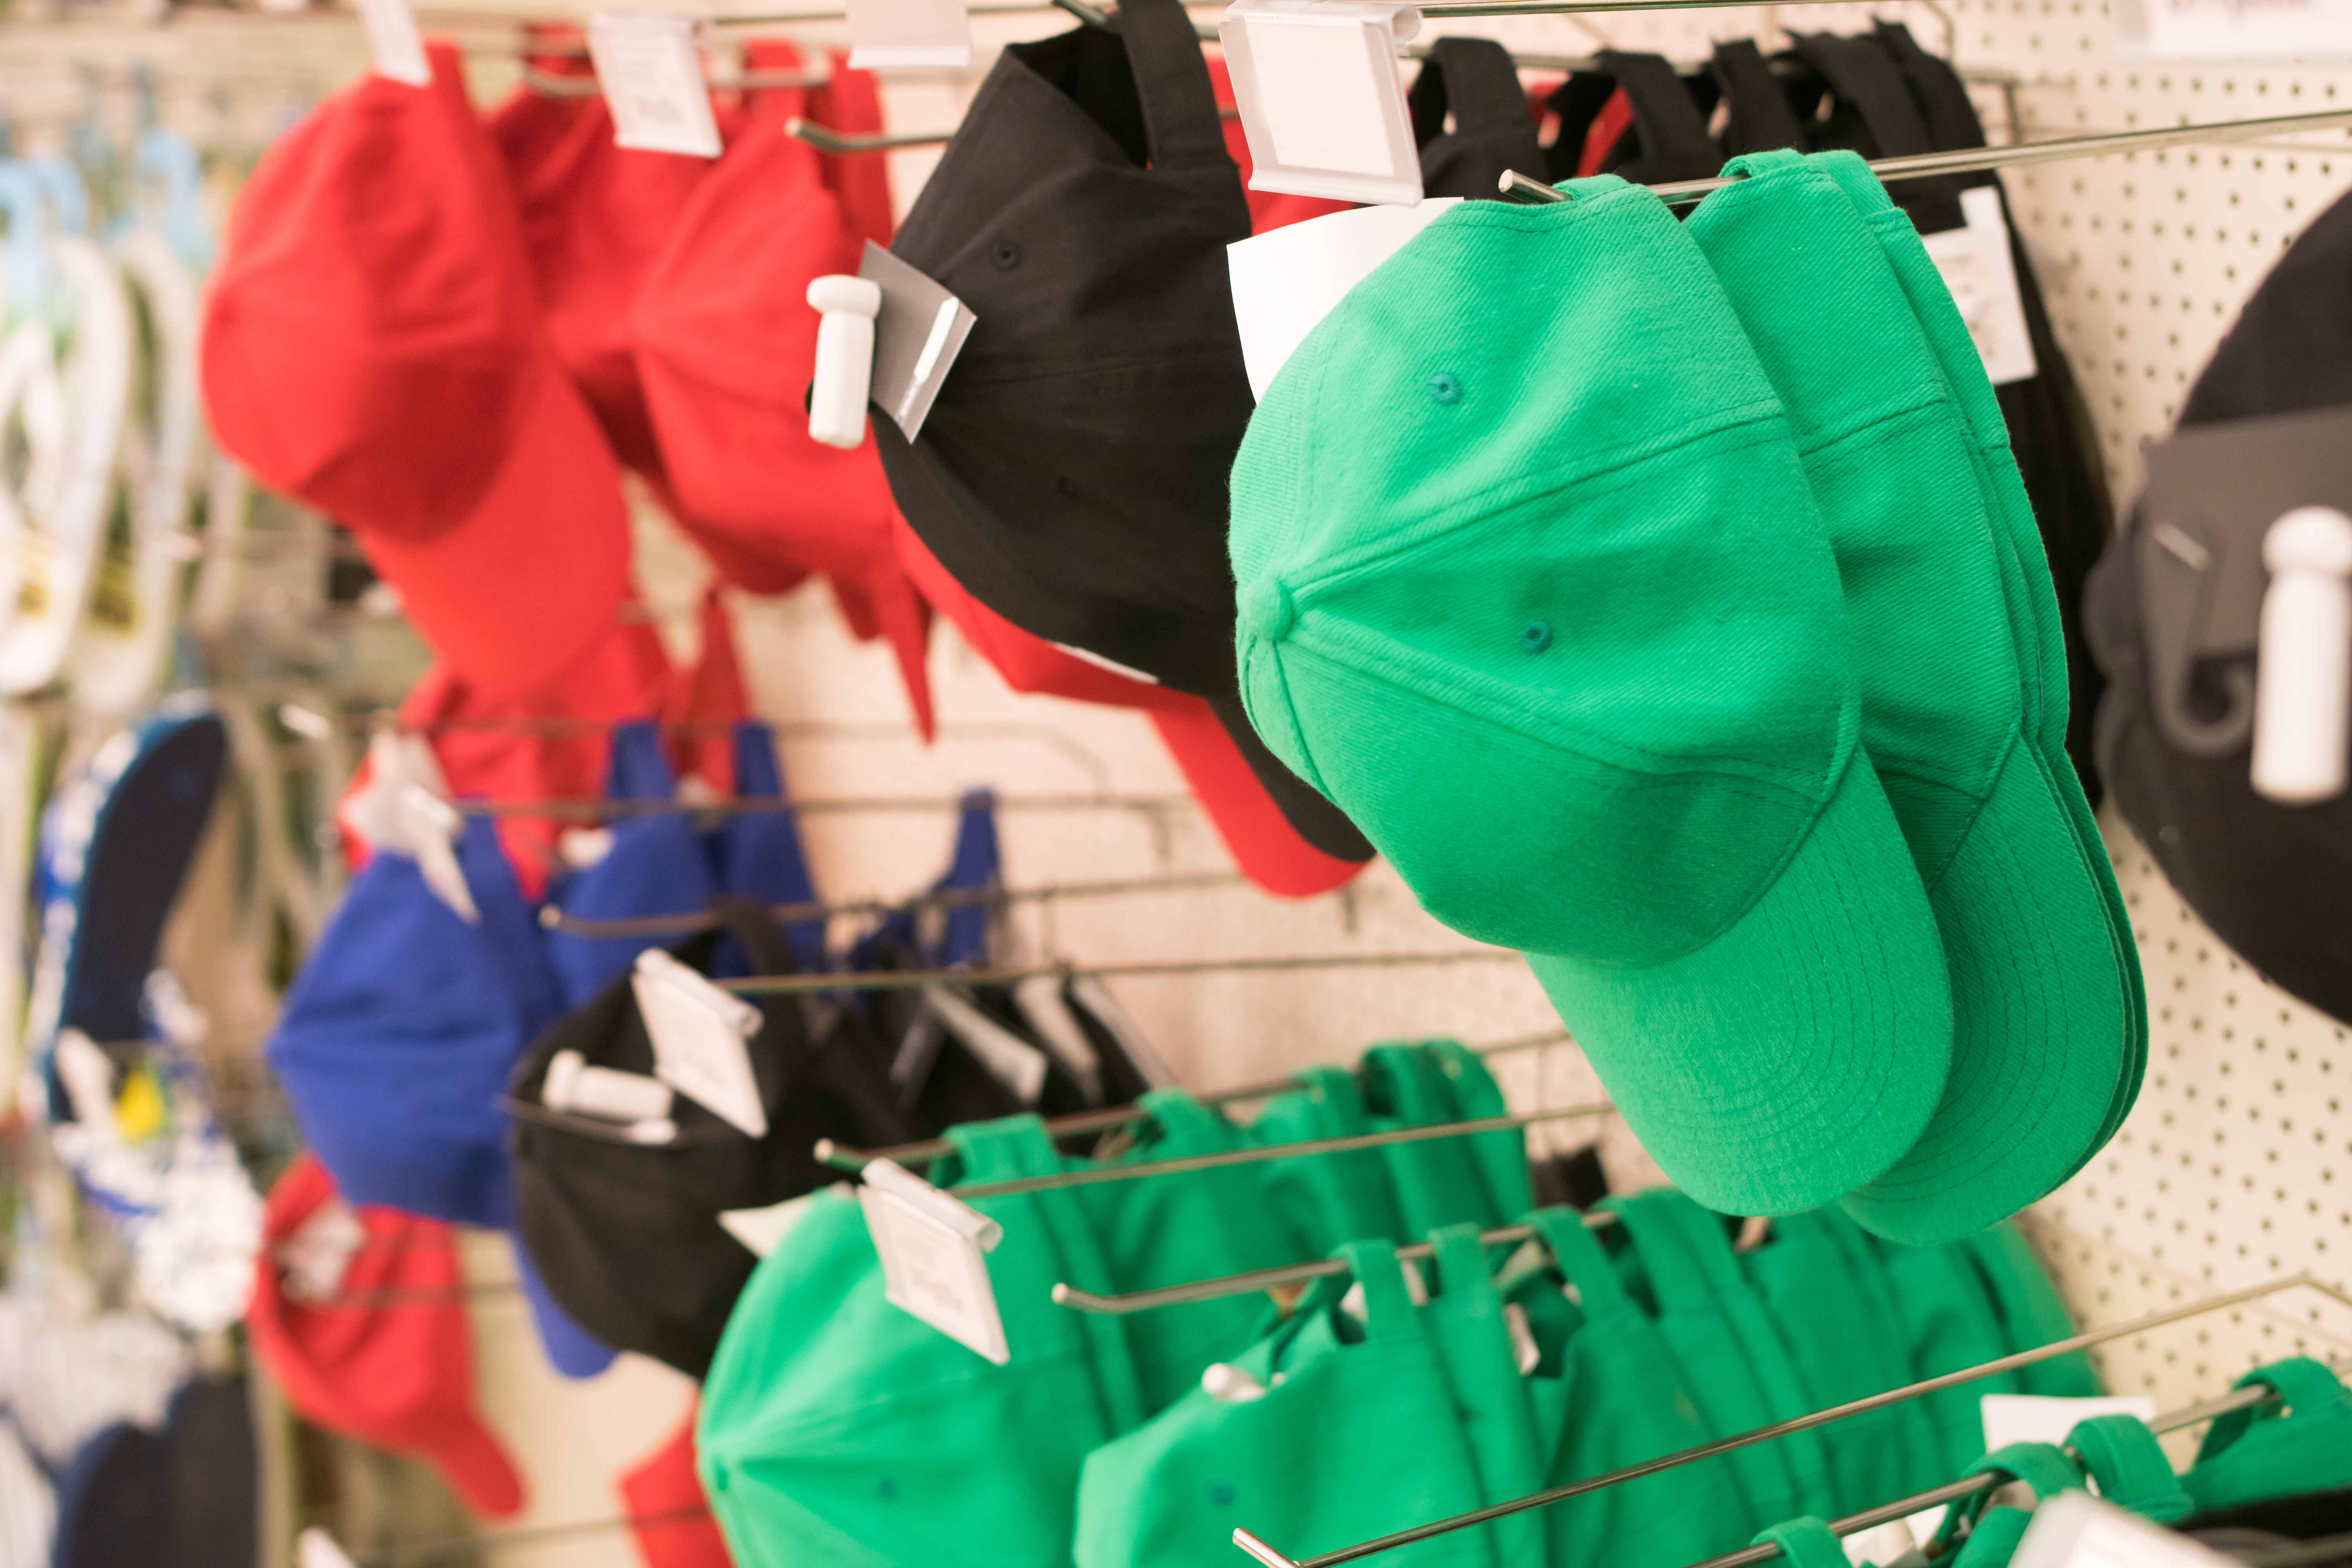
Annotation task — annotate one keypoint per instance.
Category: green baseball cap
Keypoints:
(2026, 580)
(1532, 585)
(2129, 1466)
(2302, 1444)
(2039, 1010)
(1949, 1322)
(2030, 1313)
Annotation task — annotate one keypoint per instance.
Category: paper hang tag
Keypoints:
(2075, 1530)
(2047, 1418)
(918, 333)
(1011, 1060)
(651, 72)
(934, 1253)
(392, 35)
(1979, 268)
(700, 1037)
(1289, 278)
(886, 33)
(429, 831)
(2232, 29)
(1320, 98)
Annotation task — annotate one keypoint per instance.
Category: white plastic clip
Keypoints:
(2302, 679)
(844, 357)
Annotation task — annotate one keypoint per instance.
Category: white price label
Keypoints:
(392, 38)
(887, 33)
(2234, 29)
(2046, 1418)
(1320, 98)
(1287, 280)
(934, 1253)
(700, 1036)
(1979, 270)
(1009, 1059)
(652, 76)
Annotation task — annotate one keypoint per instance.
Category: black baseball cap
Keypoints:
(626, 1236)
(2271, 879)
(1071, 475)
(1475, 83)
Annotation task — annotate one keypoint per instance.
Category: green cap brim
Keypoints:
(1802, 1052)
(2040, 1032)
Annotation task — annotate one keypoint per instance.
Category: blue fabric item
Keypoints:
(656, 866)
(964, 931)
(759, 855)
(570, 1349)
(399, 1034)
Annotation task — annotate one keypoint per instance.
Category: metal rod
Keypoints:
(1306, 1148)
(554, 919)
(1516, 186)
(916, 979)
(2253, 1394)
(1273, 1559)
(758, 805)
(549, 84)
(1132, 1301)
(483, 1545)
(843, 1158)
(2324, 1549)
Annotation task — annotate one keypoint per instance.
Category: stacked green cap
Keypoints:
(1533, 585)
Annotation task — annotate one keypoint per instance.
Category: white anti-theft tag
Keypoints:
(934, 1253)
(886, 33)
(1012, 1061)
(2047, 1418)
(699, 1036)
(1320, 98)
(1287, 280)
(2075, 1530)
(844, 357)
(392, 38)
(651, 72)
(2303, 678)
(1979, 270)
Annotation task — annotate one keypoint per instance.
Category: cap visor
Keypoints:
(475, 1464)
(2040, 1028)
(531, 576)
(1228, 781)
(570, 1349)
(1802, 1051)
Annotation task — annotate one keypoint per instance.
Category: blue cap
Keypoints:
(656, 866)
(759, 855)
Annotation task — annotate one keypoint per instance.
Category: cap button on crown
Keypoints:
(1267, 611)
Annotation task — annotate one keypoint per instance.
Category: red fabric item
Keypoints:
(1600, 137)
(623, 674)
(1539, 109)
(1269, 210)
(725, 343)
(710, 695)
(659, 1495)
(372, 346)
(398, 1375)
(1256, 833)
(851, 102)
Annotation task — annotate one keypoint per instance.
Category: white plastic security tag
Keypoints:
(1012, 1061)
(886, 33)
(934, 1253)
(918, 332)
(392, 35)
(2047, 1418)
(1288, 279)
(699, 1036)
(844, 357)
(2303, 675)
(651, 72)
(575, 1084)
(1320, 98)
(429, 830)
(1983, 276)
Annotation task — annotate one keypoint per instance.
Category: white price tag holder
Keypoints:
(392, 38)
(2233, 29)
(2075, 1530)
(700, 1036)
(1981, 273)
(1320, 98)
(651, 72)
(886, 33)
(2046, 1418)
(1012, 1061)
(934, 1253)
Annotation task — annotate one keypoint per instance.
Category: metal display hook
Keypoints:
(1267, 1555)
(687, 924)
(586, 809)
(842, 1157)
(916, 979)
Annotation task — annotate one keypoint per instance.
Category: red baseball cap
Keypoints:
(725, 343)
(398, 1374)
(372, 346)
(661, 1496)
(1207, 750)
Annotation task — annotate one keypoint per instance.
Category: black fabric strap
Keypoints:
(1761, 119)
(1576, 102)
(1475, 81)
(1675, 143)
(1862, 73)
(751, 924)
(1180, 105)
(1942, 96)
